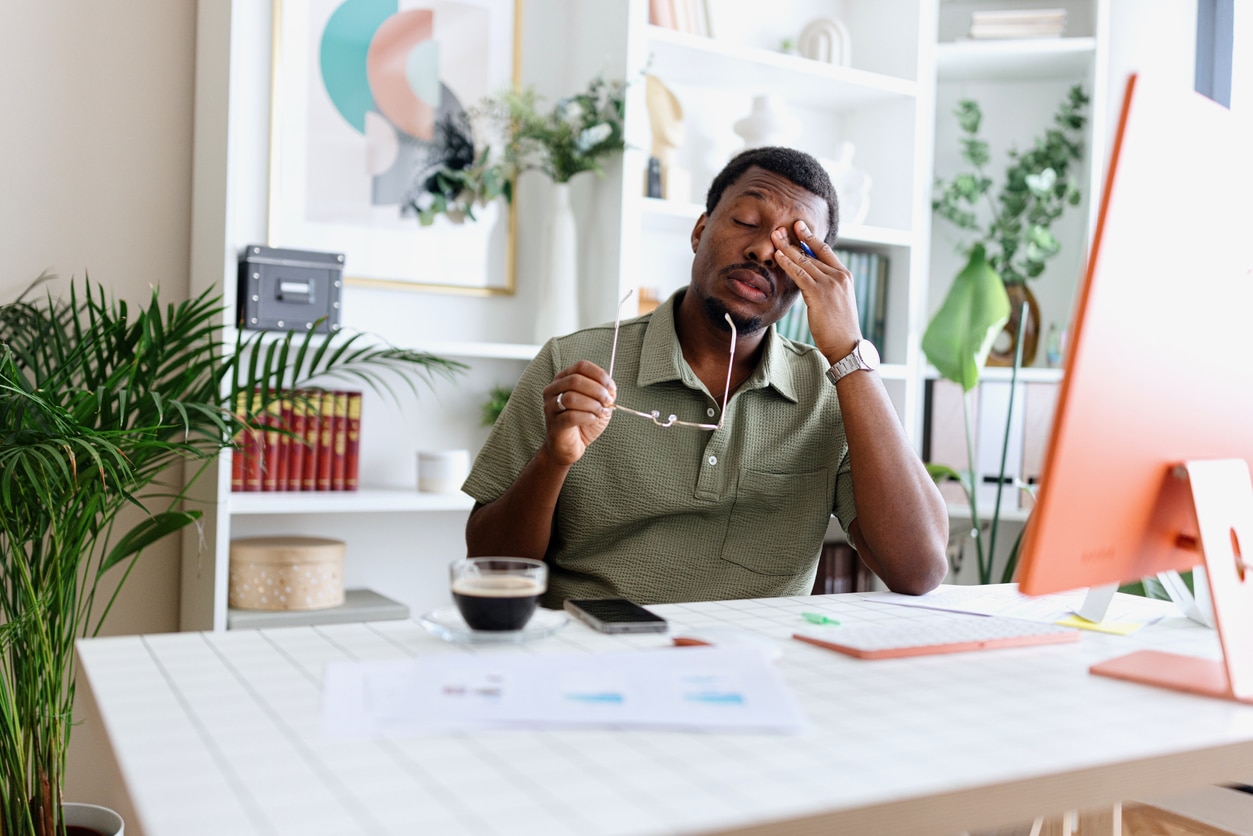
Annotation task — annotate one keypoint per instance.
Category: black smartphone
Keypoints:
(615, 615)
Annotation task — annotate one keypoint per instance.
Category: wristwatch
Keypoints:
(863, 356)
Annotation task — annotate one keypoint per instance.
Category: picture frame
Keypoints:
(365, 105)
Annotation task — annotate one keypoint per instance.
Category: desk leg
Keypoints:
(1053, 826)
(1105, 821)
(1101, 822)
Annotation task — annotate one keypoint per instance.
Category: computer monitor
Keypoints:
(1148, 465)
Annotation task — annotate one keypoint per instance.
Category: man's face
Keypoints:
(734, 270)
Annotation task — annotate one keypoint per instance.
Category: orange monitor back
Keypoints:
(1160, 370)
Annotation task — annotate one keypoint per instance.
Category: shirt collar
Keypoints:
(661, 359)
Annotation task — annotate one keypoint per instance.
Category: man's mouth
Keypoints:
(750, 282)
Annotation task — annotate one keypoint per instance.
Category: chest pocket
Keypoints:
(778, 521)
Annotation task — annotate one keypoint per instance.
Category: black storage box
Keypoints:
(289, 290)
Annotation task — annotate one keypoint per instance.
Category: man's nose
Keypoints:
(761, 251)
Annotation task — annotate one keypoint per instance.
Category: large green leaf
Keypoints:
(975, 310)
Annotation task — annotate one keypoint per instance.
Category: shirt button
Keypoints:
(710, 412)
(713, 460)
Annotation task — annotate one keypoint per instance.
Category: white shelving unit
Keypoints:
(881, 103)
(892, 102)
(1018, 84)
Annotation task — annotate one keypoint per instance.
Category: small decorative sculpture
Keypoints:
(665, 116)
(825, 40)
(852, 185)
(769, 123)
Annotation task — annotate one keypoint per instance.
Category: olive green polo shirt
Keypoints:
(680, 514)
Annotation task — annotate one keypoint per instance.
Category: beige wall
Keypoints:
(95, 175)
(95, 178)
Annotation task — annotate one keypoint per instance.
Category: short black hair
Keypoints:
(797, 166)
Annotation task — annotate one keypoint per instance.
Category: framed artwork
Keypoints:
(369, 99)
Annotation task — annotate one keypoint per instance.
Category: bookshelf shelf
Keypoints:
(723, 64)
(1028, 375)
(1014, 60)
(678, 217)
(962, 512)
(479, 350)
(365, 500)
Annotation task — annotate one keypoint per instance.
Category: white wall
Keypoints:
(95, 161)
(95, 177)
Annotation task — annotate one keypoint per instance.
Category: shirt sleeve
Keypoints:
(518, 432)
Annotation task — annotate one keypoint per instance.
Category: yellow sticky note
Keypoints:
(1118, 628)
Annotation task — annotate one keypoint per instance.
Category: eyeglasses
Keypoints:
(655, 415)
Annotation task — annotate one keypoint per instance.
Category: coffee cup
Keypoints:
(497, 593)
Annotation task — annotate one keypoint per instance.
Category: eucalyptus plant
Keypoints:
(99, 405)
(1014, 226)
(487, 147)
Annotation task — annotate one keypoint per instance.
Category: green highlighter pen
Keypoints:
(818, 618)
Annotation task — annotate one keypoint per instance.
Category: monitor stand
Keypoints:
(1096, 603)
(1222, 498)
(1196, 606)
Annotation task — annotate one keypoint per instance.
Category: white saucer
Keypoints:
(447, 623)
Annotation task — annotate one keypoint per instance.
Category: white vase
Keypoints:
(769, 123)
(558, 311)
(92, 817)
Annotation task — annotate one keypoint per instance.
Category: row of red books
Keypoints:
(305, 440)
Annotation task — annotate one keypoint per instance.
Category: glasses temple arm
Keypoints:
(613, 354)
(726, 391)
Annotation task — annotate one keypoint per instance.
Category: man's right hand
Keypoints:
(577, 407)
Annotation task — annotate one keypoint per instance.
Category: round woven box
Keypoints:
(286, 573)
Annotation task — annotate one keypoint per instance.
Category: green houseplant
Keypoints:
(575, 135)
(509, 133)
(1010, 241)
(1010, 229)
(99, 406)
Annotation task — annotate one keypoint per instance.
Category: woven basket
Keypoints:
(286, 573)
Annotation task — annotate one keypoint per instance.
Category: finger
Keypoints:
(815, 246)
(598, 388)
(564, 398)
(797, 260)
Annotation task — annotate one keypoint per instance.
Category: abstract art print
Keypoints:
(370, 99)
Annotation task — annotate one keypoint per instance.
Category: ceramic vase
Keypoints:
(769, 123)
(825, 40)
(558, 311)
(1021, 302)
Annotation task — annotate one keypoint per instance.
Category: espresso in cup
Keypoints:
(497, 593)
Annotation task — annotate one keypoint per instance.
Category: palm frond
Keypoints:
(99, 401)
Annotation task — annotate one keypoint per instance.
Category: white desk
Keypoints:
(218, 733)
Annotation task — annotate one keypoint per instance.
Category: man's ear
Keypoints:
(699, 230)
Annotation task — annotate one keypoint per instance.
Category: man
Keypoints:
(714, 506)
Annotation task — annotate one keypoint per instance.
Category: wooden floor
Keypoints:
(1225, 814)
(1141, 820)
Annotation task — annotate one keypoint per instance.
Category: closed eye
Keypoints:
(745, 224)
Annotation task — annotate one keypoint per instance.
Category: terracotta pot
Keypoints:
(1002, 354)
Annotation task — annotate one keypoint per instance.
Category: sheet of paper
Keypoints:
(1126, 613)
(660, 688)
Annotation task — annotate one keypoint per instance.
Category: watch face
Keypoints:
(869, 354)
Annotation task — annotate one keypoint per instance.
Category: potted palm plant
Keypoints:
(100, 404)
